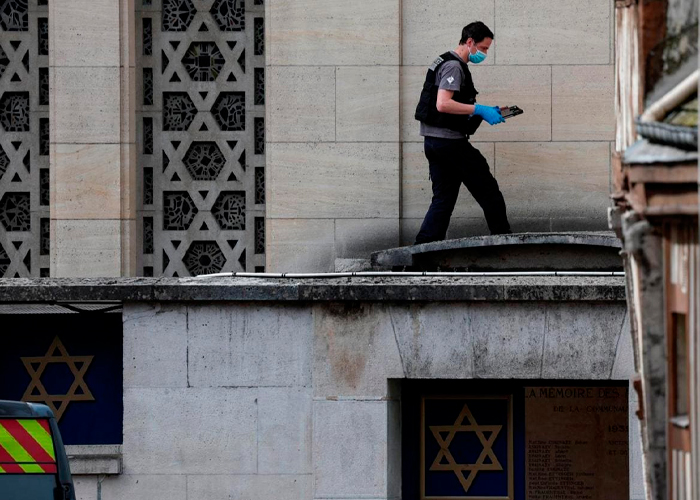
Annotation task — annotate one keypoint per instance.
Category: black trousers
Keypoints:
(453, 162)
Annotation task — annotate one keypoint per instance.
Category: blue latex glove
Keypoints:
(490, 114)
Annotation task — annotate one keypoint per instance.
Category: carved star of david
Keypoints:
(36, 392)
(445, 453)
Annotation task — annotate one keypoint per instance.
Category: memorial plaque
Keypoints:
(576, 443)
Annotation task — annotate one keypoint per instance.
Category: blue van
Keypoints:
(33, 462)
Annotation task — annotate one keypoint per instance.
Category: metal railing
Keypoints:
(402, 274)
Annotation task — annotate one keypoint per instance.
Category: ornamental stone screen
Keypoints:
(201, 136)
(24, 139)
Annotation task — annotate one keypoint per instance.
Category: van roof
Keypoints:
(19, 409)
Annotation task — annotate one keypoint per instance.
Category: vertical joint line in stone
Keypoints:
(473, 344)
(494, 30)
(100, 478)
(495, 172)
(122, 63)
(335, 236)
(335, 250)
(400, 159)
(396, 336)
(400, 179)
(257, 432)
(335, 105)
(551, 103)
(544, 339)
(610, 181)
(400, 113)
(617, 344)
(400, 16)
(187, 345)
(611, 28)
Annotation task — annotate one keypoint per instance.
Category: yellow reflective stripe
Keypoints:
(40, 435)
(1, 469)
(12, 447)
(30, 468)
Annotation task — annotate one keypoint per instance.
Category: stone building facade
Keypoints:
(155, 162)
(346, 170)
(197, 136)
(194, 136)
(245, 388)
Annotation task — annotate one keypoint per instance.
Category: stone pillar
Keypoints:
(92, 137)
(332, 131)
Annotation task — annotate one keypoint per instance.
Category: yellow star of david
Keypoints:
(445, 453)
(36, 392)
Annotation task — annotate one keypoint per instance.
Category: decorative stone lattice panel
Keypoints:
(201, 136)
(24, 138)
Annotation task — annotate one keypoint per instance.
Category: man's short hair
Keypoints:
(477, 31)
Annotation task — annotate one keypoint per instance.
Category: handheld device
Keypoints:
(511, 111)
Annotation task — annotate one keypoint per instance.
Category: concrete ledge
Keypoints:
(513, 288)
(95, 459)
(583, 251)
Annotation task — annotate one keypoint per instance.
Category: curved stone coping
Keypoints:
(403, 256)
(511, 288)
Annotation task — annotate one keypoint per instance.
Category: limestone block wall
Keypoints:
(554, 60)
(333, 151)
(346, 169)
(302, 401)
(92, 138)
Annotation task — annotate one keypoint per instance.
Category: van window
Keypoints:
(24, 486)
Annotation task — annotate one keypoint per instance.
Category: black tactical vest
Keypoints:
(427, 112)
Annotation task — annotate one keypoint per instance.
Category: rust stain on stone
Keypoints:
(347, 362)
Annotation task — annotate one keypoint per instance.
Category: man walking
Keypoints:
(449, 115)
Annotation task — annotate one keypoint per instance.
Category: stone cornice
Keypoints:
(511, 288)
